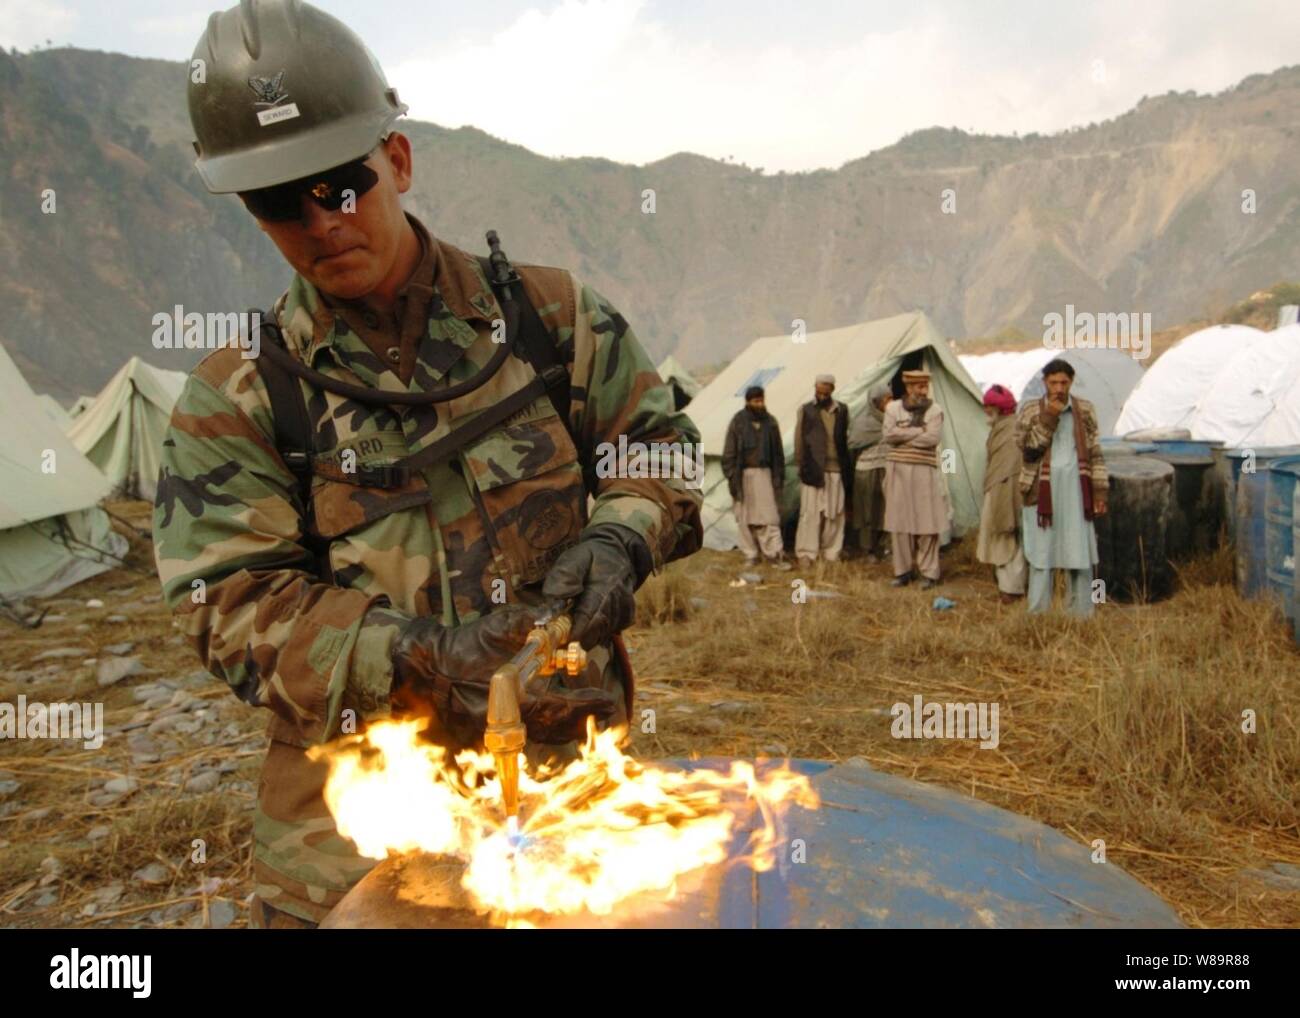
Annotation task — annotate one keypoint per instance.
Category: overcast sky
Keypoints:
(781, 85)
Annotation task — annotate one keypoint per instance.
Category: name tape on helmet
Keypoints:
(277, 113)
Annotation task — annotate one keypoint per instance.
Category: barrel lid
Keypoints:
(1159, 434)
(1286, 465)
(1140, 466)
(1264, 452)
(1185, 459)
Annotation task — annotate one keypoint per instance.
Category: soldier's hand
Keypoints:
(425, 648)
(599, 575)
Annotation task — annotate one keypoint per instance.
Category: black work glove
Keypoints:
(425, 648)
(600, 575)
(556, 715)
(467, 656)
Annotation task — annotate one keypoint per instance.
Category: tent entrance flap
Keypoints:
(859, 356)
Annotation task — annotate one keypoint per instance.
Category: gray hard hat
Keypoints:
(284, 91)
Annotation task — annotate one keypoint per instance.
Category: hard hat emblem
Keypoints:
(268, 91)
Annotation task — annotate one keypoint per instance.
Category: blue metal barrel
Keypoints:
(1279, 537)
(881, 851)
(1251, 498)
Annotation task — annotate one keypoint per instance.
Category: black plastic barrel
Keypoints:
(1196, 510)
(1133, 559)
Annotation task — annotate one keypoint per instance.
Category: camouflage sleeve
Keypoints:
(645, 462)
(228, 545)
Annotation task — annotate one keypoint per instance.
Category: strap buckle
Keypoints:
(383, 475)
(297, 460)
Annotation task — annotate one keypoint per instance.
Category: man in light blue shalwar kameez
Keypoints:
(1058, 533)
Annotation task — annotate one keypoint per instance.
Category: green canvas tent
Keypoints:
(54, 410)
(122, 429)
(52, 533)
(682, 382)
(859, 356)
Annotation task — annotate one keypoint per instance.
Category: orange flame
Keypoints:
(599, 830)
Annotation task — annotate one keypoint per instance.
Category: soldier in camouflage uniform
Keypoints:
(374, 598)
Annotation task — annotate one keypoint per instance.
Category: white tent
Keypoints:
(122, 430)
(52, 533)
(859, 356)
(1255, 399)
(1173, 387)
(1102, 376)
(1011, 369)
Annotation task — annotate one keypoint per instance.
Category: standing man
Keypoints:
(916, 511)
(754, 464)
(1063, 482)
(866, 442)
(999, 536)
(368, 517)
(821, 450)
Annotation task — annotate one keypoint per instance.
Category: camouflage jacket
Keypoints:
(482, 526)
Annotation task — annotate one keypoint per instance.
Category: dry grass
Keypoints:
(1126, 727)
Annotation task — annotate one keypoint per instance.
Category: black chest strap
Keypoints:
(295, 436)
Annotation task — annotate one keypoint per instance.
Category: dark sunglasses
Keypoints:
(330, 189)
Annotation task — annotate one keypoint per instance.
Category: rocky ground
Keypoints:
(1124, 728)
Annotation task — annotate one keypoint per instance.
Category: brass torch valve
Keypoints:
(546, 651)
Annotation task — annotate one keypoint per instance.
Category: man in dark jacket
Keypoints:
(821, 450)
(754, 464)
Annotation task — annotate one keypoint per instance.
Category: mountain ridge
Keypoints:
(1140, 212)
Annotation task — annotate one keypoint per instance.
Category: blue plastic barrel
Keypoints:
(1295, 543)
(1279, 538)
(1179, 447)
(1251, 467)
(895, 853)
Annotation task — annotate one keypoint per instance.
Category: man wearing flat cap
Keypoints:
(754, 464)
(821, 450)
(915, 508)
